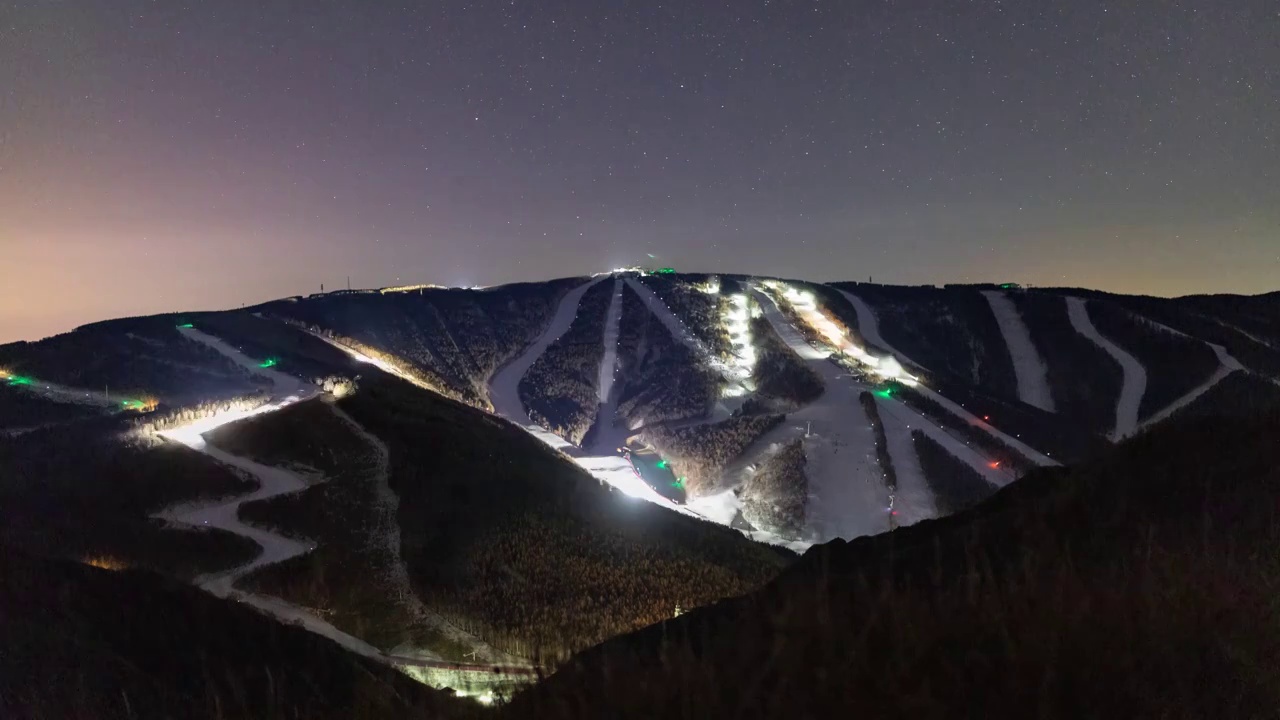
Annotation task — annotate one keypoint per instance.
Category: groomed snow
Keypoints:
(1134, 383)
(272, 482)
(1029, 368)
(848, 495)
(606, 434)
(869, 326)
(1227, 364)
(504, 387)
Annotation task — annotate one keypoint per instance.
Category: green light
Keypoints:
(186, 325)
(678, 483)
(20, 380)
(665, 271)
(887, 392)
(662, 463)
(269, 362)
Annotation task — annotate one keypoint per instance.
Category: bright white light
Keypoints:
(191, 434)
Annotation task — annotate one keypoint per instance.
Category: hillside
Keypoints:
(1134, 586)
(437, 475)
(80, 642)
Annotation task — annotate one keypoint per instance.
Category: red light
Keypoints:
(995, 464)
(986, 417)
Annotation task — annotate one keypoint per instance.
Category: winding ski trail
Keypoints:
(1134, 381)
(272, 482)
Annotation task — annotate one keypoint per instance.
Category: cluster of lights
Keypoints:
(806, 307)
(737, 321)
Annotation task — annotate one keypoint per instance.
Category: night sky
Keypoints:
(163, 155)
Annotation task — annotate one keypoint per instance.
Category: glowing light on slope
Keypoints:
(737, 323)
(804, 305)
(191, 434)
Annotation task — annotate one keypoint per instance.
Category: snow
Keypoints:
(504, 387)
(608, 433)
(1028, 366)
(905, 419)
(869, 326)
(387, 530)
(682, 333)
(848, 495)
(914, 499)
(224, 515)
(668, 318)
(609, 365)
(1134, 383)
(282, 383)
(1227, 364)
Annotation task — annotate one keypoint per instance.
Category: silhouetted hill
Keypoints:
(80, 642)
(1141, 585)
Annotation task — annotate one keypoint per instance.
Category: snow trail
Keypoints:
(388, 528)
(272, 482)
(914, 500)
(848, 495)
(609, 365)
(1227, 364)
(607, 433)
(282, 383)
(869, 326)
(1028, 367)
(504, 387)
(1134, 383)
(668, 318)
(225, 515)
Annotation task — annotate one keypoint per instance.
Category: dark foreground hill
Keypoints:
(1142, 585)
(79, 642)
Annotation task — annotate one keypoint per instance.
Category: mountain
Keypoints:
(1142, 584)
(476, 485)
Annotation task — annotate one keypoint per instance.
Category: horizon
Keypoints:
(374, 288)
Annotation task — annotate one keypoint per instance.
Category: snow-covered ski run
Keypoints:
(848, 495)
(1227, 364)
(1134, 379)
(607, 433)
(869, 327)
(272, 482)
(1028, 366)
(504, 395)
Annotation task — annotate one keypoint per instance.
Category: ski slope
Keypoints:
(1028, 367)
(869, 327)
(1227, 364)
(848, 495)
(504, 387)
(609, 364)
(273, 481)
(681, 332)
(914, 499)
(607, 433)
(1134, 383)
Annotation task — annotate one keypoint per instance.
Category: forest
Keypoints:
(775, 497)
